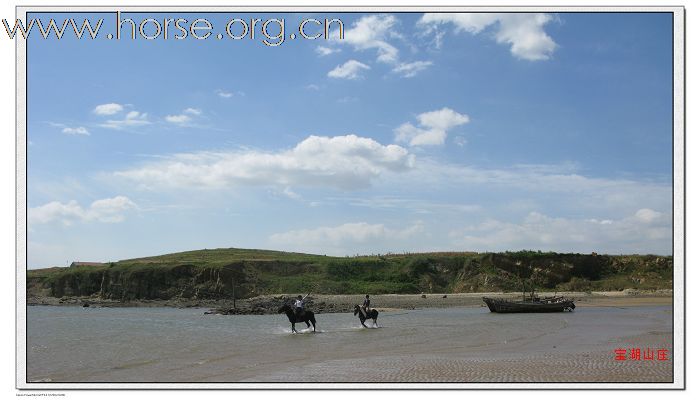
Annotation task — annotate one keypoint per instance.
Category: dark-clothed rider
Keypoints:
(365, 306)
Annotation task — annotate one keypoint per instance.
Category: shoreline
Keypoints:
(325, 303)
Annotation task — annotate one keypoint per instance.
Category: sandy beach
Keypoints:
(324, 303)
(404, 301)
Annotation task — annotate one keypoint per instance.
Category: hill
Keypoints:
(214, 273)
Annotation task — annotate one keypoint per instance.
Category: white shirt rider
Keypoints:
(299, 303)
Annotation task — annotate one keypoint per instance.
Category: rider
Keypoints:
(365, 306)
(299, 306)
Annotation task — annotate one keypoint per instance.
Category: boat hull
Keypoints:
(507, 306)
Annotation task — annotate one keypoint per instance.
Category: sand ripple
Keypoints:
(553, 367)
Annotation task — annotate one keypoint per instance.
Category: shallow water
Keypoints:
(70, 344)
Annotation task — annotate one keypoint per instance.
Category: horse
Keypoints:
(306, 317)
(371, 314)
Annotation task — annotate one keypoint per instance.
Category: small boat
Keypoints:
(530, 305)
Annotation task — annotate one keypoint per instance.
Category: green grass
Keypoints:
(210, 273)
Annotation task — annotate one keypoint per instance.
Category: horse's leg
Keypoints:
(363, 323)
(294, 330)
(375, 322)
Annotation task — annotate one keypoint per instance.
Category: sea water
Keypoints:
(73, 344)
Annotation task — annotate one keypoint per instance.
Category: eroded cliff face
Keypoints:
(168, 278)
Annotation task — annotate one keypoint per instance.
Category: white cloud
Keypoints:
(109, 210)
(414, 206)
(524, 32)
(76, 131)
(344, 162)
(132, 119)
(224, 94)
(345, 238)
(434, 127)
(408, 70)
(193, 111)
(592, 192)
(647, 215)
(108, 109)
(312, 87)
(135, 115)
(178, 119)
(373, 32)
(510, 191)
(443, 119)
(370, 33)
(291, 194)
(350, 70)
(540, 232)
(357, 232)
(326, 51)
(185, 117)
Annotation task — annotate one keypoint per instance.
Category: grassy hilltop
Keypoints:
(209, 274)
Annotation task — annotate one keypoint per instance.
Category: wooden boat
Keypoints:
(530, 305)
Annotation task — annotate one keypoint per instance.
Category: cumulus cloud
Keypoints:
(371, 33)
(345, 238)
(109, 210)
(408, 70)
(131, 119)
(76, 131)
(524, 32)
(178, 118)
(344, 162)
(193, 111)
(185, 117)
(647, 215)
(350, 70)
(538, 231)
(108, 109)
(433, 127)
(326, 51)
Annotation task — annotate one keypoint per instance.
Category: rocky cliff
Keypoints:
(223, 273)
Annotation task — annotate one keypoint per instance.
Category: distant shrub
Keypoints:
(577, 284)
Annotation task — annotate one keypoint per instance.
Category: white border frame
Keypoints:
(679, 327)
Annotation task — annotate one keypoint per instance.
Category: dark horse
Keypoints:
(306, 317)
(371, 314)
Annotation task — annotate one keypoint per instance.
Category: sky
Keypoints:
(415, 132)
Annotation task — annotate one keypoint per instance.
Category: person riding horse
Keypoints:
(306, 316)
(370, 314)
(299, 306)
(365, 306)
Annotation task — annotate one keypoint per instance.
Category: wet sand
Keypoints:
(573, 352)
(497, 366)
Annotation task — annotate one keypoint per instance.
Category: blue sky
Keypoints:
(417, 132)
